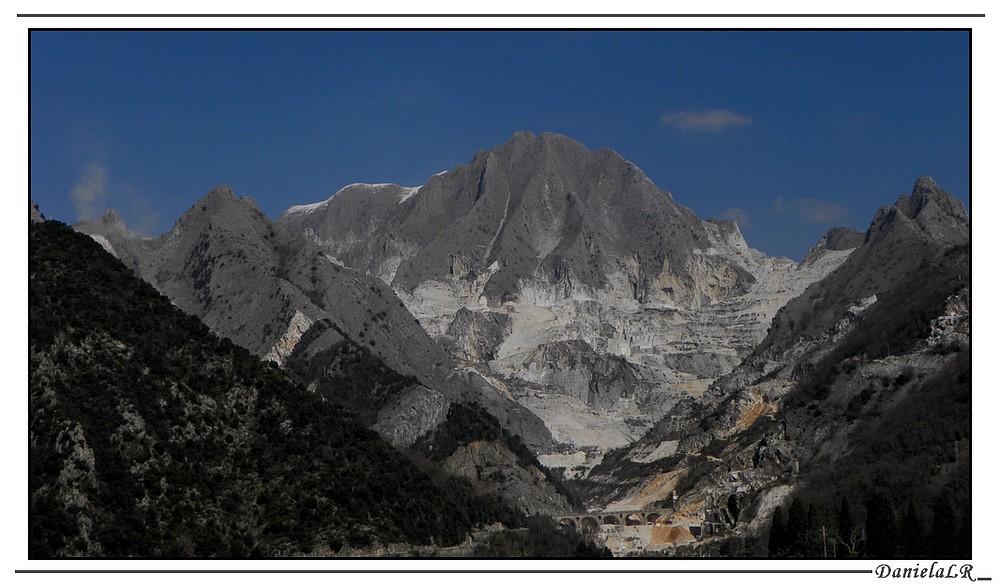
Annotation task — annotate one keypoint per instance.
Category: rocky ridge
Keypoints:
(152, 437)
(263, 289)
(666, 358)
(846, 365)
(569, 281)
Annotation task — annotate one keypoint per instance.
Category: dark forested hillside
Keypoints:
(150, 436)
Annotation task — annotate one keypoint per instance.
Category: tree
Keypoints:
(798, 528)
(849, 535)
(816, 533)
(880, 527)
(943, 528)
(777, 538)
(911, 537)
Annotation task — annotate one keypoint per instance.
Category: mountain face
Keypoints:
(152, 437)
(535, 208)
(860, 390)
(568, 280)
(226, 263)
(342, 334)
(545, 309)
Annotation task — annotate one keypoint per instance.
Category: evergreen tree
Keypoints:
(798, 528)
(943, 528)
(777, 538)
(880, 527)
(814, 532)
(911, 537)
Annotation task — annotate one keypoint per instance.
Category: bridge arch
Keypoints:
(568, 522)
(589, 525)
(633, 518)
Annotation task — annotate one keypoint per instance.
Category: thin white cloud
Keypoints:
(90, 192)
(141, 214)
(820, 212)
(712, 121)
(739, 215)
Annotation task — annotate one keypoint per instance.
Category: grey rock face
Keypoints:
(836, 239)
(547, 267)
(492, 462)
(573, 368)
(479, 335)
(861, 353)
(542, 207)
(34, 214)
(411, 416)
(900, 243)
(357, 226)
(226, 263)
(547, 207)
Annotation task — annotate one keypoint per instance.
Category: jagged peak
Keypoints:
(526, 139)
(932, 210)
(842, 238)
(835, 239)
(220, 202)
(220, 196)
(222, 192)
(728, 231)
(925, 183)
(522, 136)
(728, 228)
(725, 223)
(107, 224)
(111, 216)
(34, 213)
(926, 191)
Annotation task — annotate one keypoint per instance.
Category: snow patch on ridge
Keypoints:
(408, 193)
(305, 208)
(103, 243)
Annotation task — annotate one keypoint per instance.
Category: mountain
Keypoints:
(535, 207)
(224, 249)
(550, 325)
(568, 280)
(342, 334)
(356, 221)
(225, 262)
(152, 437)
(860, 393)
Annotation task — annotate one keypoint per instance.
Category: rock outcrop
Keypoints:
(227, 263)
(564, 275)
(818, 409)
(34, 214)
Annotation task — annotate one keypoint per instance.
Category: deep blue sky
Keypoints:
(788, 132)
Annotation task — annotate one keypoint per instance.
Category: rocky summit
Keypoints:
(568, 280)
(547, 323)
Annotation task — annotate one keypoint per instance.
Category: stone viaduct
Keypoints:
(591, 521)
